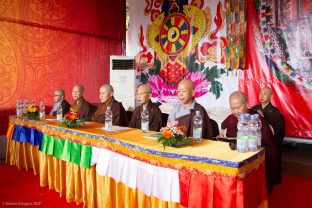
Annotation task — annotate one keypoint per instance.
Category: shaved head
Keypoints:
(145, 88)
(267, 89)
(79, 87)
(189, 84)
(143, 94)
(238, 103)
(107, 88)
(239, 95)
(186, 92)
(77, 92)
(265, 96)
(58, 95)
(59, 92)
(106, 92)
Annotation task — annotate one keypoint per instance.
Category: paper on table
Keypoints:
(88, 122)
(153, 136)
(116, 128)
(50, 119)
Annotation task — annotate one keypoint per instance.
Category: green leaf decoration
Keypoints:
(143, 78)
(190, 60)
(192, 65)
(156, 69)
(213, 73)
(216, 88)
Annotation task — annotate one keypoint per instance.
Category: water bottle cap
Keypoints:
(252, 116)
(241, 116)
(256, 115)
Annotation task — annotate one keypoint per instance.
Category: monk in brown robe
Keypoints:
(273, 116)
(108, 100)
(80, 105)
(184, 112)
(143, 96)
(238, 105)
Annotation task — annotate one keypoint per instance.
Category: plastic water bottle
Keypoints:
(18, 108)
(59, 113)
(259, 126)
(108, 119)
(242, 133)
(145, 120)
(24, 106)
(41, 110)
(252, 137)
(197, 127)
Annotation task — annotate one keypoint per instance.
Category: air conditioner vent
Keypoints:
(123, 64)
(123, 79)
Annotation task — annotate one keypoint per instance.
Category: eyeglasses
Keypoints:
(142, 93)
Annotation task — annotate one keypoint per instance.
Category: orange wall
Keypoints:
(46, 45)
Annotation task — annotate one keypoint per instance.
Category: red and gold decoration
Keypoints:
(235, 34)
(171, 53)
(173, 72)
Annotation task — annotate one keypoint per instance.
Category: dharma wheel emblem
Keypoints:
(174, 34)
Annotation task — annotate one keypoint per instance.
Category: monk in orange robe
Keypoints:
(108, 100)
(80, 105)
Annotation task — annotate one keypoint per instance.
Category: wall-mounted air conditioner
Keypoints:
(122, 78)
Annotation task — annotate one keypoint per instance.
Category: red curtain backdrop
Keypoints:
(48, 44)
(290, 96)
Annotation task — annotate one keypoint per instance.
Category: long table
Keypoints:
(125, 169)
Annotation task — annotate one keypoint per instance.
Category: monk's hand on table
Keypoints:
(222, 134)
(172, 124)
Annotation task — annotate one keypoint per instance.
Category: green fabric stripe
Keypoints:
(86, 154)
(75, 153)
(67, 150)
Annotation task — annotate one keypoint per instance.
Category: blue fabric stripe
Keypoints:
(25, 134)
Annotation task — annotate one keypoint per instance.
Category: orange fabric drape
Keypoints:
(23, 155)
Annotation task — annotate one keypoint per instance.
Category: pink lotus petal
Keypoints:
(166, 93)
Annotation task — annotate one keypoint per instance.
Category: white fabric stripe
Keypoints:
(160, 182)
(95, 155)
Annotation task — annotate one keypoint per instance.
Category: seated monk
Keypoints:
(80, 105)
(238, 105)
(143, 96)
(108, 100)
(273, 116)
(184, 112)
(59, 100)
